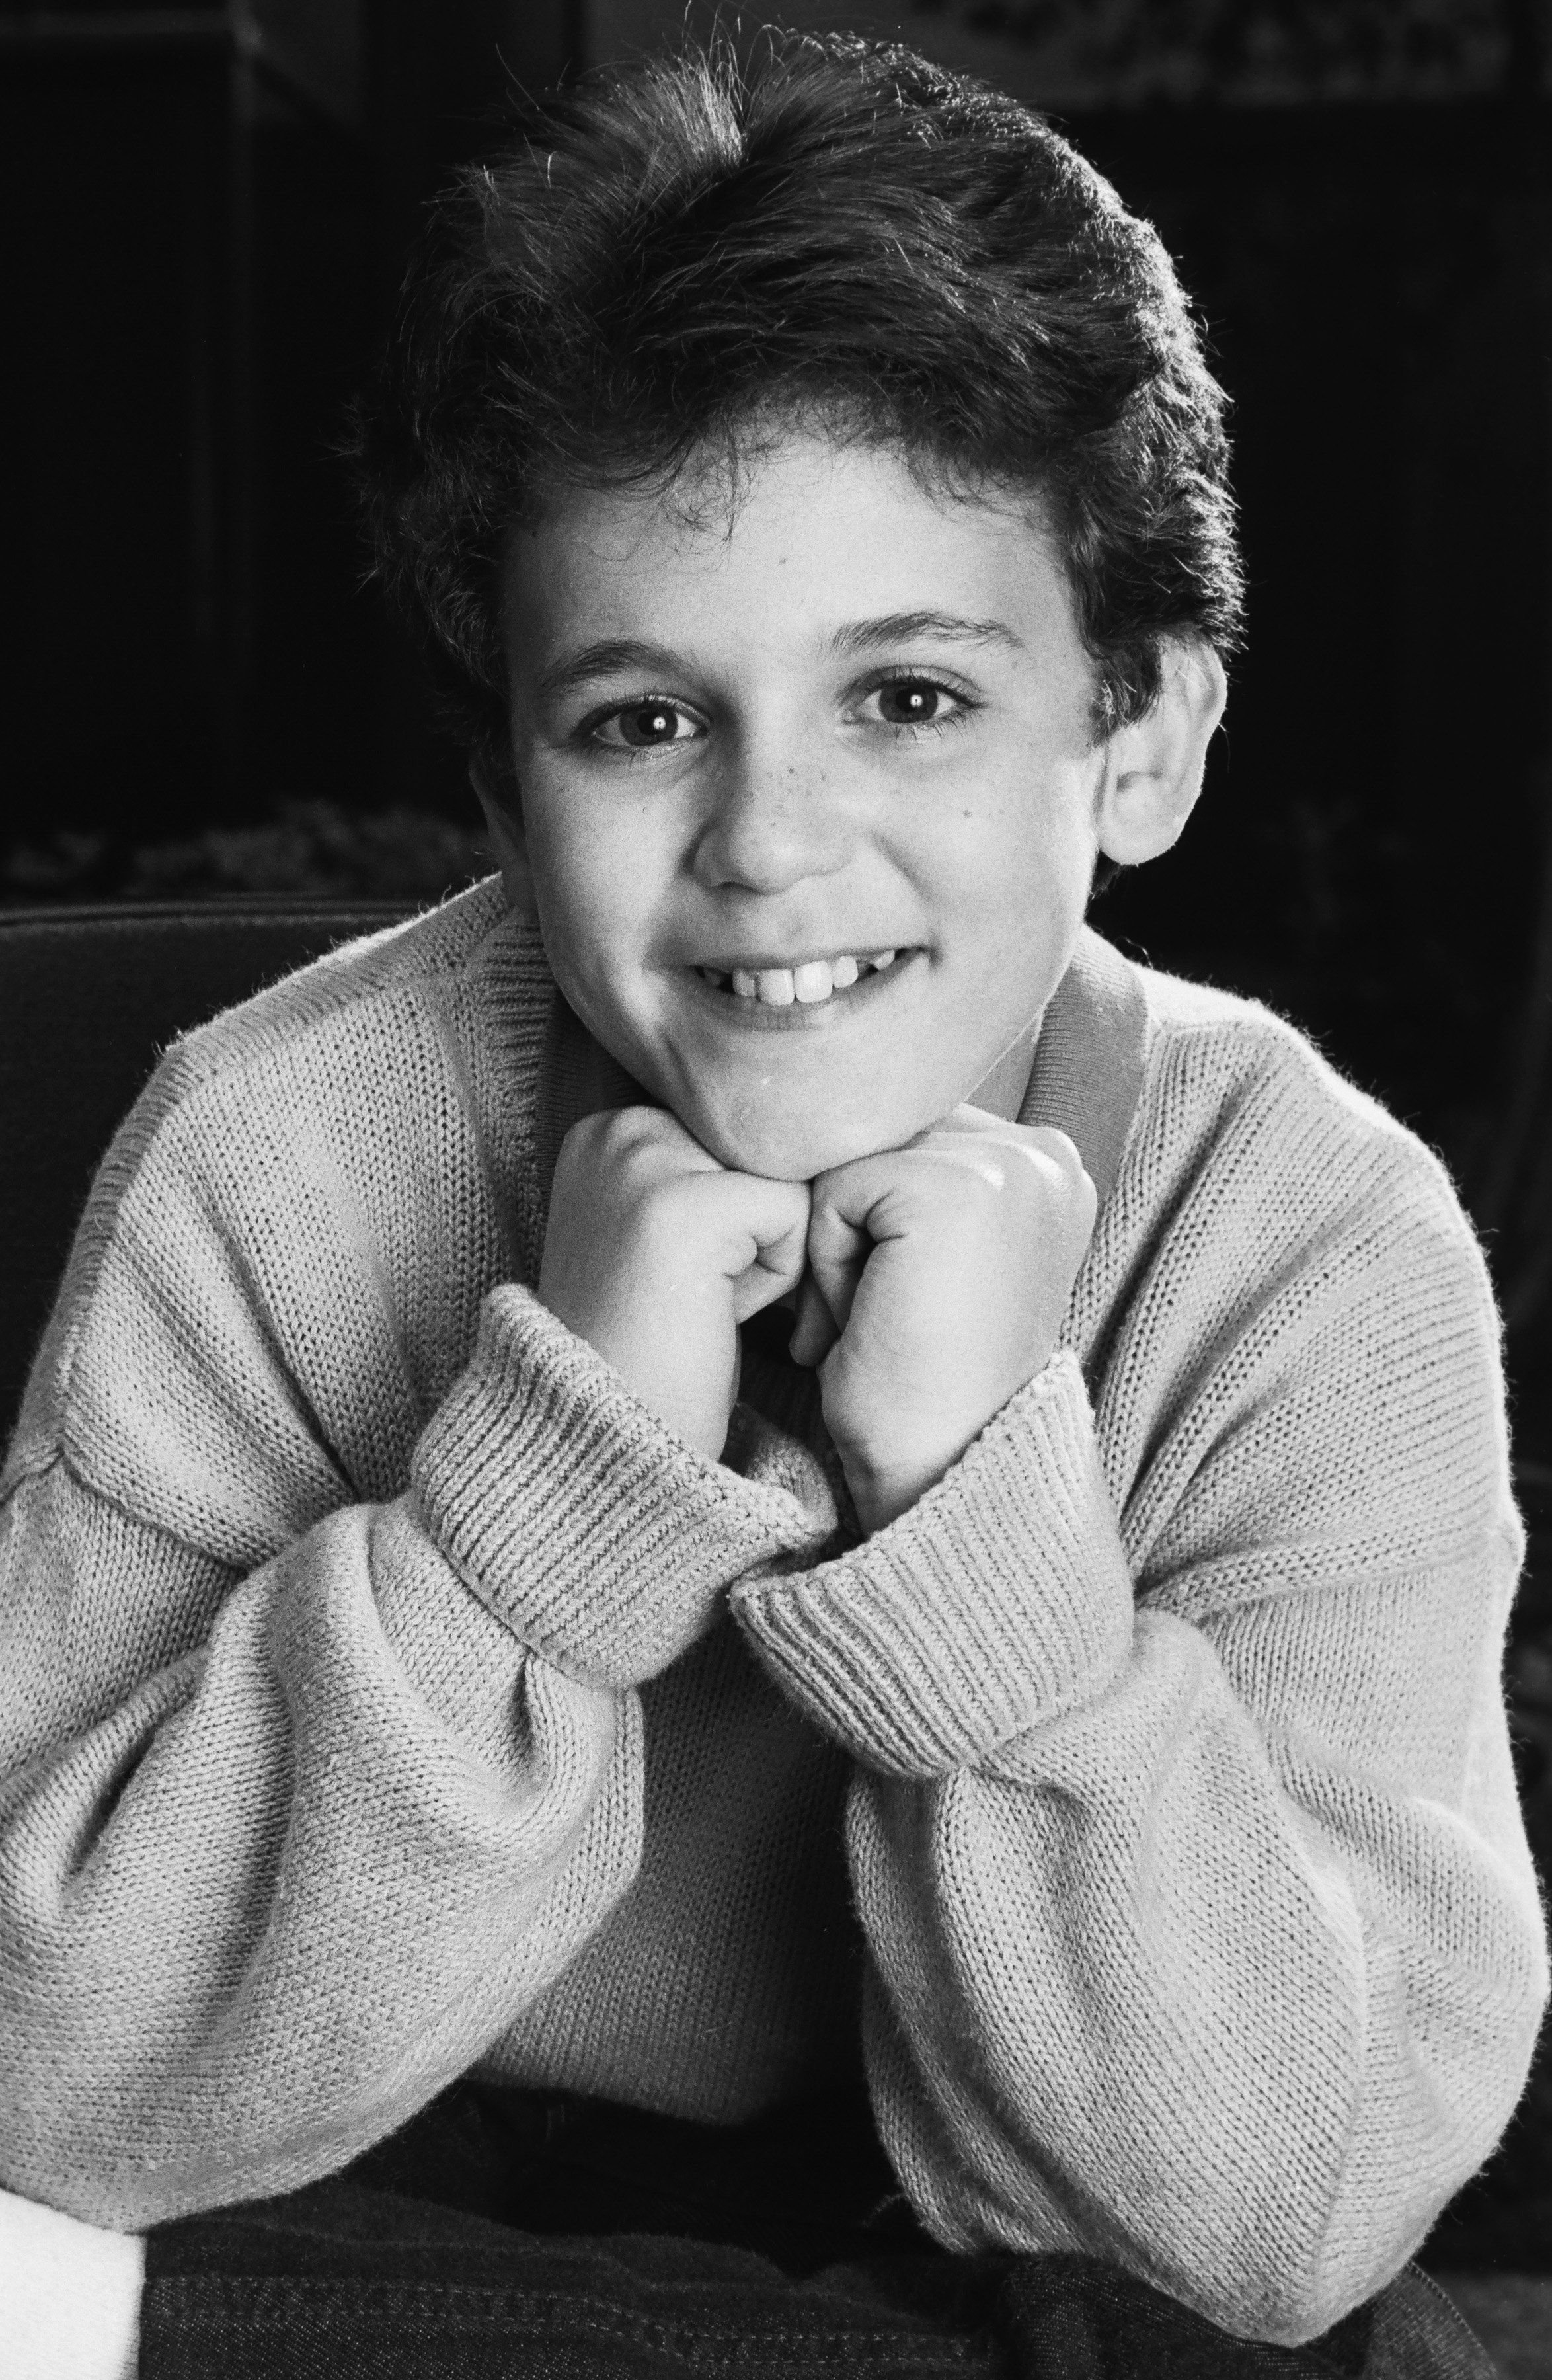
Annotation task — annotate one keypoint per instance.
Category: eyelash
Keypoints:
(588, 732)
(956, 717)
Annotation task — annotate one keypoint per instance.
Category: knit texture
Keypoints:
(385, 1692)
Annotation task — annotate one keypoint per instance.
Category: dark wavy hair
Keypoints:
(668, 262)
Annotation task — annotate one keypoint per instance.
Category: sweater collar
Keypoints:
(1088, 1075)
(1085, 1080)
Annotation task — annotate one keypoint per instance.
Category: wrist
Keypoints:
(680, 1365)
(881, 1491)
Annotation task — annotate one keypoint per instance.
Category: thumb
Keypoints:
(837, 1253)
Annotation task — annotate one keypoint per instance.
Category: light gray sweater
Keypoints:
(384, 1692)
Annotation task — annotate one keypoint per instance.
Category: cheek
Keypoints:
(592, 883)
(1026, 862)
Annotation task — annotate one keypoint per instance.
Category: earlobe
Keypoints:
(500, 800)
(1154, 767)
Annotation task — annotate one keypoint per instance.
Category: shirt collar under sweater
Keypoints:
(1085, 1080)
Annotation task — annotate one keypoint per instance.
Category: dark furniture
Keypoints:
(89, 997)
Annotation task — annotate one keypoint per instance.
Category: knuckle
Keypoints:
(1056, 1162)
(985, 1178)
(605, 1139)
(584, 1136)
(635, 1128)
(661, 1190)
(1058, 1148)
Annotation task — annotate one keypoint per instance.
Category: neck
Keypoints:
(1001, 1093)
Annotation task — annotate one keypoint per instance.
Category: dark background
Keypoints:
(201, 699)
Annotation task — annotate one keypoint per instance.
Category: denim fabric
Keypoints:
(505, 2234)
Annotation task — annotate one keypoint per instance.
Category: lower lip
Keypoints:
(798, 1015)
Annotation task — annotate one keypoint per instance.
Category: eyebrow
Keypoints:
(612, 653)
(904, 627)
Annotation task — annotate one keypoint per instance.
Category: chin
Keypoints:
(791, 1149)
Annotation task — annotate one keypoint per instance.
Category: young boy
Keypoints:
(449, 1634)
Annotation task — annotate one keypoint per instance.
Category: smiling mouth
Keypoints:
(810, 984)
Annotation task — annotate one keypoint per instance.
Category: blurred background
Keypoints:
(203, 700)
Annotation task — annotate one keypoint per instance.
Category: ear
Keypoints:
(502, 801)
(1154, 768)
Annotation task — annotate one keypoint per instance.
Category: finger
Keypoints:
(968, 1122)
(817, 1330)
(775, 1215)
(777, 1269)
(881, 1198)
(838, 1249)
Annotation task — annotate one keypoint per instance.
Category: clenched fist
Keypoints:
(655, 1254)
(938, 1277)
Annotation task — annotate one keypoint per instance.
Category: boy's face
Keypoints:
(854, 721)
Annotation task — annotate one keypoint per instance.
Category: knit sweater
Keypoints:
(385, 1692)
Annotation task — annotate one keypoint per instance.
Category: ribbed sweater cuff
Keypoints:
(594, 1533)
(998, 1599)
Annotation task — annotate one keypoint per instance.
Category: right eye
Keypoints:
(644, 726)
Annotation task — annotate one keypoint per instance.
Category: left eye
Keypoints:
(643, 726)
(915, 702)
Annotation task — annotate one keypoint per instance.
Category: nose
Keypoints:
(769, 825)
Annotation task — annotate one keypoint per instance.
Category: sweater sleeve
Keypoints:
(305, 1794)
(1203, 1932)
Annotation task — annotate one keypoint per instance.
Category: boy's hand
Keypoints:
(939, 1274)
(655, 1254)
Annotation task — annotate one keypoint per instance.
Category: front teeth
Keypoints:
(811, 982)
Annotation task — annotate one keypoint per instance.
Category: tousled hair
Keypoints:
(667, 261)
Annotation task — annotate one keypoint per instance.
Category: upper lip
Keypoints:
(761, 961)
